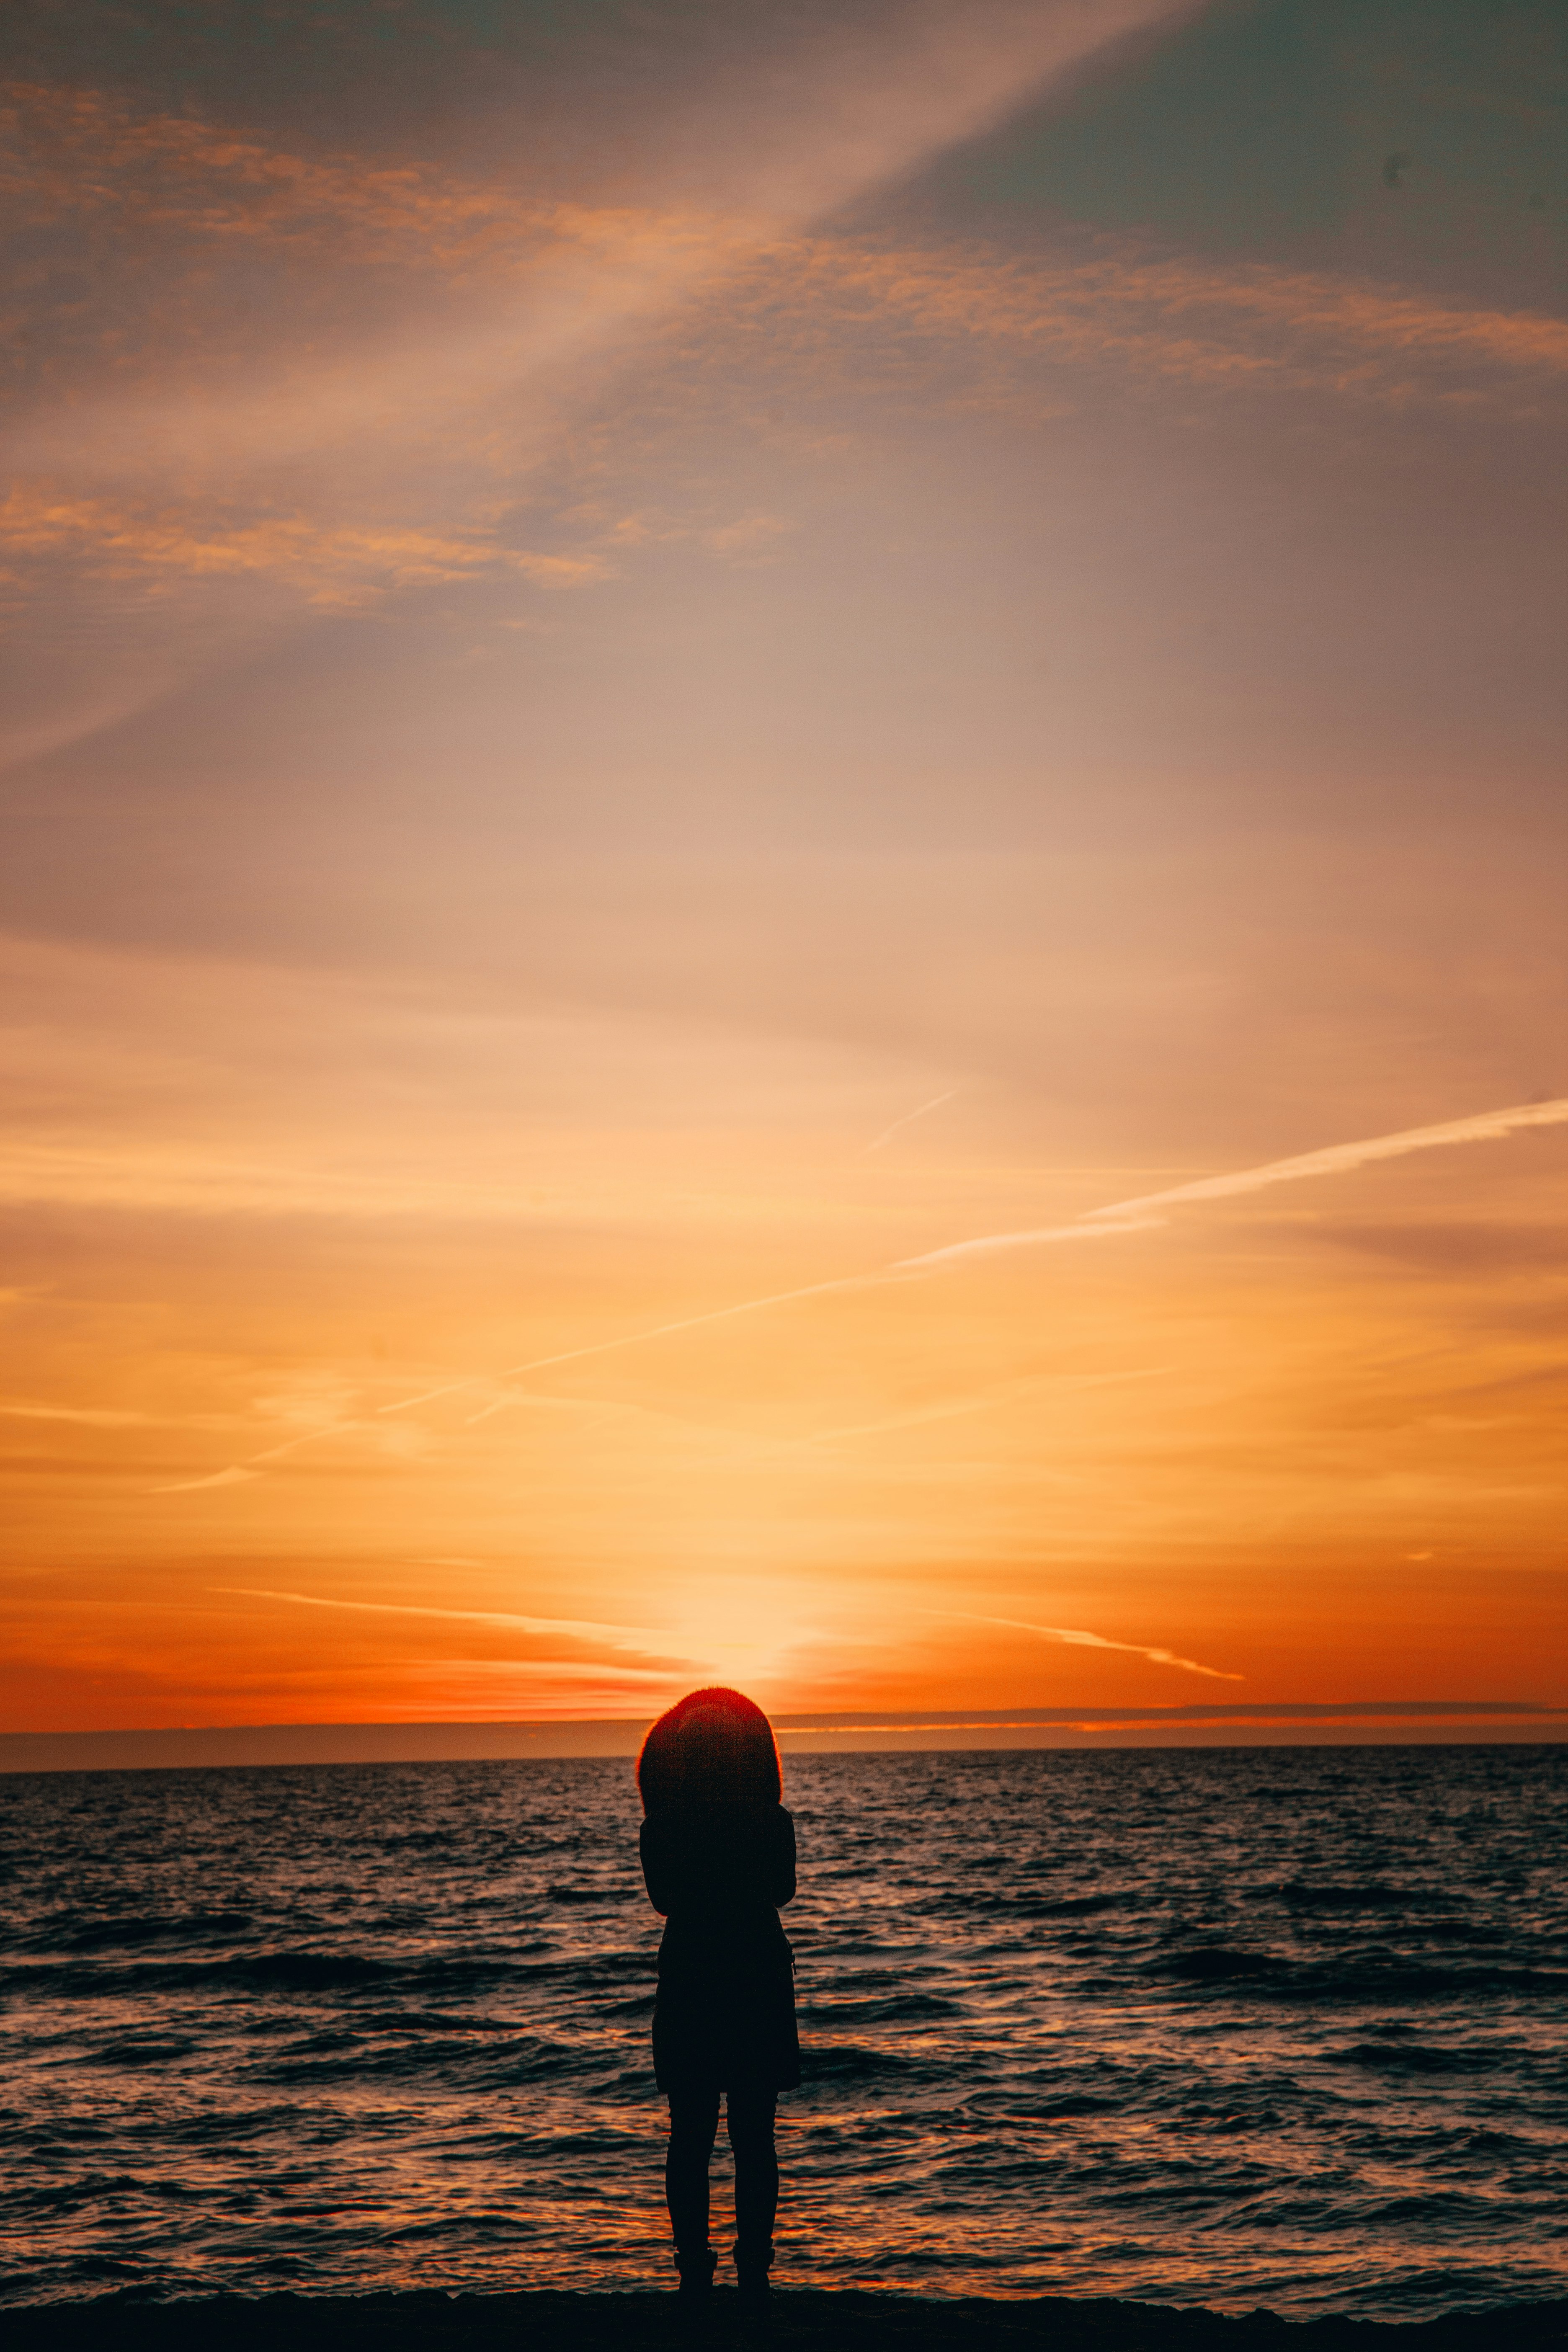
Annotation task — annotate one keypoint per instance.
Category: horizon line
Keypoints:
(859, 1719)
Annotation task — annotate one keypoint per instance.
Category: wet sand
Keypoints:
(797, 2322)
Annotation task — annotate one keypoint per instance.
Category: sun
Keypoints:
(744, 1632)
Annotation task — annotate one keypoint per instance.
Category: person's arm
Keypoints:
(655, 1870)
(781, 1859)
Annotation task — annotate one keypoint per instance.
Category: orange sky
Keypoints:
(666, 669)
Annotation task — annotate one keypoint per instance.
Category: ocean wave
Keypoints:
(1371, 1977)
(105, 1935)
(1418, 2058)
(1291, 2024)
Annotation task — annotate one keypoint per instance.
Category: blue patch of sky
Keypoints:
(1425, 140)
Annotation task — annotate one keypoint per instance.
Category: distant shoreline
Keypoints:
(1401, 1723)
(814, 2320)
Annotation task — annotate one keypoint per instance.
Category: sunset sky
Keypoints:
(663, 657)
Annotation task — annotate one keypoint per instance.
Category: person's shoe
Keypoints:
(697, 2271)
(752, 2277)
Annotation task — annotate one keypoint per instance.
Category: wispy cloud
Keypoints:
(91, 1416)
(1076, 1638)
(430, 296)
(335, 566)
(1113, 1218)
(836, 309)
(89, 154)
(1235, 1716)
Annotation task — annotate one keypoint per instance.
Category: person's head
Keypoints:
(714, 1750)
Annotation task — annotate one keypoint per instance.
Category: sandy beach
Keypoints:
(812, 2321)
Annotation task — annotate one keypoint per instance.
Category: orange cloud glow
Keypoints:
(679, 700)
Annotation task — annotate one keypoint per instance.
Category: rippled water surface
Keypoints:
(1263, 2026)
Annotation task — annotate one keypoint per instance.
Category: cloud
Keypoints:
(1075, 1639)
(1127, 1718)
(95, 1417)
(429, 337)
(85, 153)
(333, 566)
(327, 372)
(748, 539)
(1453, 1248)
(861, 100)
(844, 319)
(842, 316)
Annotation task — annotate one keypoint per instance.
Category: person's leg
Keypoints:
(749, 2120)
(693, 2127)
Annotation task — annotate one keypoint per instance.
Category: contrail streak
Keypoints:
(634, 1338)
(1077, 1639)
(1093, 1224)
(240, 1471)
(235, 1475)
(1335, 1160)
(578, 1629)
(908, 1120)
(952, 1407)
(237, 1471)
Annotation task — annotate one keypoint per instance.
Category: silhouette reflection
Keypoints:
(718, 1855)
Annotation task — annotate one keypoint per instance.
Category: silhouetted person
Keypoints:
(718, 1853)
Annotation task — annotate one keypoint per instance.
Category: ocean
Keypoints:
(1239, 2028)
